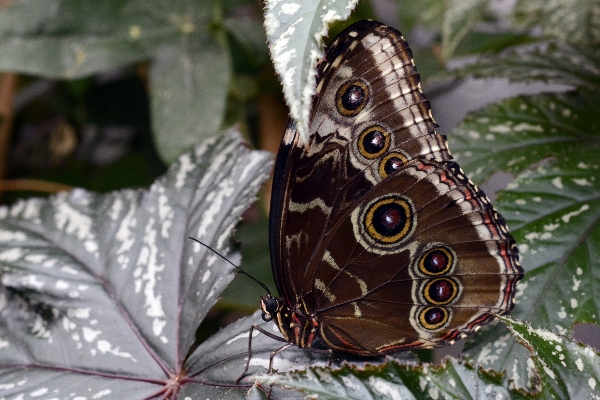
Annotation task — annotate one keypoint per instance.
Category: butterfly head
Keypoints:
(269, 307)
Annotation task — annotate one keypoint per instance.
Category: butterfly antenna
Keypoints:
(238, 268)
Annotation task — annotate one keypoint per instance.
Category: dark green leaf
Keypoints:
(551, 142)
(547, 62)
(515, 133)
(190, 70)
(71, 39)
(188, 93)
(567, 369)
(250, 34)
(242, 293)
(480, 42)
(428, 13)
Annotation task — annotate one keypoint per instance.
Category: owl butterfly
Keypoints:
(378, 241)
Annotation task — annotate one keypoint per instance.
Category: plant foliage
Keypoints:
(102, 295)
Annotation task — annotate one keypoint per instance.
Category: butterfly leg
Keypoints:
(264, 332)
(273, 354)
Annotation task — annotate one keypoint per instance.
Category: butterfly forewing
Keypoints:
(378, 241)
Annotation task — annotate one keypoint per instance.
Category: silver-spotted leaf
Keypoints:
(554, 63)
(551, 143)
(563, 368)
(102, 294)
(394, 380)
(295, 31)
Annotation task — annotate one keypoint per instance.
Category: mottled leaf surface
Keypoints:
(551, 143)
(102, 294)
(557, 63)
(566, 369)
(574, 21)
(513, 134)
(294, 32)
(394, 380)
(459, 18)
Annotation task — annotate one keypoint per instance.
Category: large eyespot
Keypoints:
(391, 162)
(440, 291)
(432, 318)
(373, 142)
(389, 219)
(384, 223)
(351, 98)
(437, 261)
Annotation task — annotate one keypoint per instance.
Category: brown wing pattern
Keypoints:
(395, 286)
(319, 184)
(372, 226)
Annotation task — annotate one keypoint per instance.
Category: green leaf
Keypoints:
(547, 62)
(452, 379)
(566, 369)
(479, 42)
(571, 21)
(551, 142)
(72, 39)
(513, 134)
(295, 32)
(102, 294)
(188, 93)
(250, 34)
(426, 13)
(190, 66)
(459, 18)
(242, 294)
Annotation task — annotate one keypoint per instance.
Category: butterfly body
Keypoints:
(379, 241)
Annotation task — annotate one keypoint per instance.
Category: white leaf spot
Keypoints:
(557, 182)
(105, 347)
(89, 335)
(574, 303)
(158, 325)
(39, 392)
(386, 389)
(567, 217)
(582, 182)
(185, 166)
(290, 9)
(11, 255)
(205, 276)
(82, 313)
(102, 393)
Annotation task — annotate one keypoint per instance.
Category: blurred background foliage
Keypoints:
(103, 95)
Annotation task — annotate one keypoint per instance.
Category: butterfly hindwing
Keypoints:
(390, 284)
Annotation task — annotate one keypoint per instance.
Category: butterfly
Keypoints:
(379, 242)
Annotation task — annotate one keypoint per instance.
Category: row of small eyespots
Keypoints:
(375, 142)
(440, 290)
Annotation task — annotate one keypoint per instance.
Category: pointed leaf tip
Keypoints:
(295, 32)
